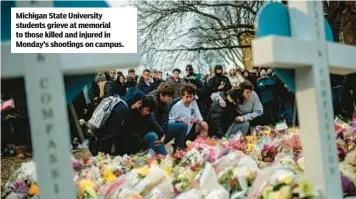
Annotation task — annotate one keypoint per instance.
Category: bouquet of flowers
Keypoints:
(182, 179)
(268, 153)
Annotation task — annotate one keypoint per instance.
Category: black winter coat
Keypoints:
(131, 82)
(161, 115)
(220, 118)
(214, 82)
(144, 87)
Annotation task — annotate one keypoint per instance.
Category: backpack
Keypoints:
(103, 111)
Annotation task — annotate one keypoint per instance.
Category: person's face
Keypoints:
(187, 98)
(122, 79)
(247, 94)
(245, 74)
(263, 73)
(233, 72)
(146, 76)
(145, 111)
(154, 75)
(269, 71)
(132, 75)
(238, 72)
(136, 105)
(112, 74)
(176, 75)
(166, 99)
(159, 75)
(187, 73)
(231, 100)
(254, 70)
(219, 71)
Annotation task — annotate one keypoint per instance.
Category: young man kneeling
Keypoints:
(186, 111)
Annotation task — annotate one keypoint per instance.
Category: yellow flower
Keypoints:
(84, 184)
(287, 180)
(306, 188)
(250, 147)
(143, 171)
(108, 176)
(188, 143)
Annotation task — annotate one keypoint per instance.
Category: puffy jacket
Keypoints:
(131, 82)
(214, 82)
(220, 118)
(144, 87)
(176, 85)
(110, 88)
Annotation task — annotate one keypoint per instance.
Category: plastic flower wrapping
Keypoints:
(267, 165)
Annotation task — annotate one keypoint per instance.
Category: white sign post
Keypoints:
(309, 53)
(47, 106)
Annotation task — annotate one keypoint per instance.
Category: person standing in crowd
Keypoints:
(192, 78)
(160, 77)
(110, 85)
(142, 125)
(195, 79)
(176, 83)
(253, 76)
(102, 139)
(206, 77)
(163, 96)
(235, 78)
(349, 95)
(249, 108)
(101, 81)
(155, 78)
(186, 111)
(219, 82)
(121, 85)
(266, 88)
(146, 83)
(131, 79)
(222, 113)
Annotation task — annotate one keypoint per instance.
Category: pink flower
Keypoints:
(268, 153)
(237, 145)
(179, 154)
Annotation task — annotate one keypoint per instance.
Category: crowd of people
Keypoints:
(128, 113)
(154, 111)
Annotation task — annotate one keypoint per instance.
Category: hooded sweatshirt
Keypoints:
(121, 111)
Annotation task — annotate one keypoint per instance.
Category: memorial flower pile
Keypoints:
(267, 164)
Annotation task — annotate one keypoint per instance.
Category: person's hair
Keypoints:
(150, 103)
(165, 89)
(230, 71)
(146, 70)
(160, 72)
(131, 70)
(189, 89)
(177, 69)
(246, 85)
(118, 77)
(235, 94)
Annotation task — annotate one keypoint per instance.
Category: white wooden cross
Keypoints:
(313, 58)
(47, 105)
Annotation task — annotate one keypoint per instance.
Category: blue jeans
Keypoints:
(176, 131)
(150, 138)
